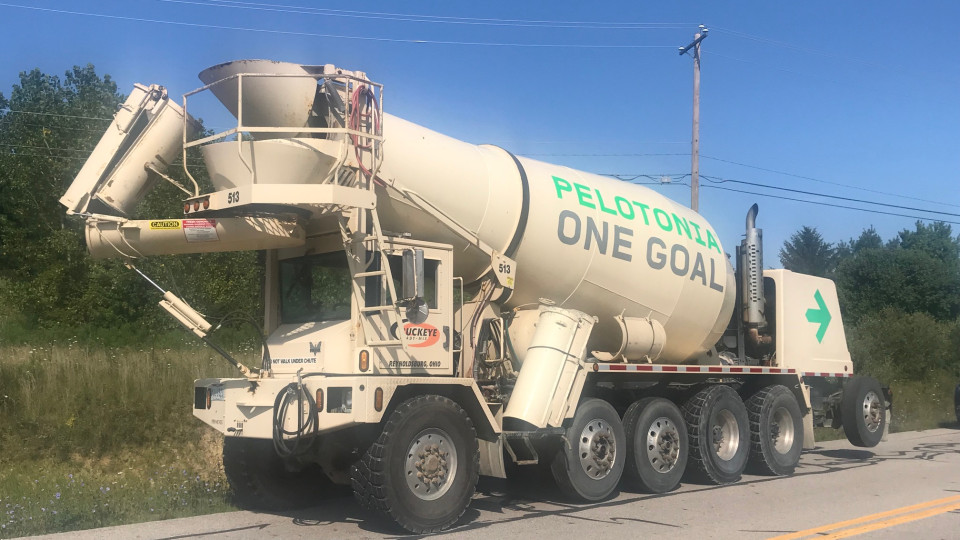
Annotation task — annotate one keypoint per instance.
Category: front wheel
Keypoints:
(590, 462)
(423, 469)
(776, 431)
(656, 444)
(863, 412)
(719, 433)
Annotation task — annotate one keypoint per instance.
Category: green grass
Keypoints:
(917, 405)
(49, 495)
(111, 431)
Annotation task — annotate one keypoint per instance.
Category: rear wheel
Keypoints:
(656, 445)
(261, 480)
(863, 412)
(719, 434)
(589, 464)
(423, 469)
(776, 431)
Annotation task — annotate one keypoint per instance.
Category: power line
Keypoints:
(48, 156)
(5, 122)
(790, 46)
(409, 17)
(820, 203)
(337, 36)
(629, 177)
(815, 194)
(748, 166)
(774, 67)
(812, 179)
(772, 196)
(44, 148)
(11, 111)
(625, 154)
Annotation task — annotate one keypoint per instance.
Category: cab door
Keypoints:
(427, 326)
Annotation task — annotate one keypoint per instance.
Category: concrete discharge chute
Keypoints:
(140, 238)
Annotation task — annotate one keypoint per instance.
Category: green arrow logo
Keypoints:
(819, 316)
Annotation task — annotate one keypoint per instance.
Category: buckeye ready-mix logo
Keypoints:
(419, 335)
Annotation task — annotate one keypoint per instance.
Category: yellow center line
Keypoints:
(874, 517)
(892, 522)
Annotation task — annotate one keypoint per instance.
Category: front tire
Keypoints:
(776, 431)
(863, 412)
(656, 445)
(589, 464)
(423, 469)
(719, 433)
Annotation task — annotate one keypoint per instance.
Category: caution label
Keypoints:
(200, 230)
(165, 225)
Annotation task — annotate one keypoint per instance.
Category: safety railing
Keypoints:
(362, 116)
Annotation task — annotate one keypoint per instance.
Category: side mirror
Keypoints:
(412, 282)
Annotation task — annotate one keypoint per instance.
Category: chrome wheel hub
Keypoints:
(597, 449)
(663, 445)
(431, 464)
(872, 412)
(781, 430)
(726, 435)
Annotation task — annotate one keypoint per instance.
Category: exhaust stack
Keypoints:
(751, 279)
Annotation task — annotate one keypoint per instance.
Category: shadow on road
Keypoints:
(532, 494)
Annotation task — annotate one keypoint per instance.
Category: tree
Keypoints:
(916, 272)
(911, 281)
(869, 239)
(935, 239)
(48, 127)
(807, 252)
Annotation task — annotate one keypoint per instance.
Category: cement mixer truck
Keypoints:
(437, 310)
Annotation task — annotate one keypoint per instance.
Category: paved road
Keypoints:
(908, 487)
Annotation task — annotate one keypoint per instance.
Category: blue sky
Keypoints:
(850, 99)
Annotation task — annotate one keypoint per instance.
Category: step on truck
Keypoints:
(436, 310)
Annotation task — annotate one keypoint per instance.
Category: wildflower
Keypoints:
(57, 495)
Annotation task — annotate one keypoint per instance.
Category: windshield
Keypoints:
(315, 288)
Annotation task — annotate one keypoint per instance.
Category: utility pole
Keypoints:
(695, 144)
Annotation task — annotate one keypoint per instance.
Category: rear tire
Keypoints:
(423, 469)
(260, 479)
(589, 464)
(776, 431)
(719, 433)
(656, 445)
(863, 412)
